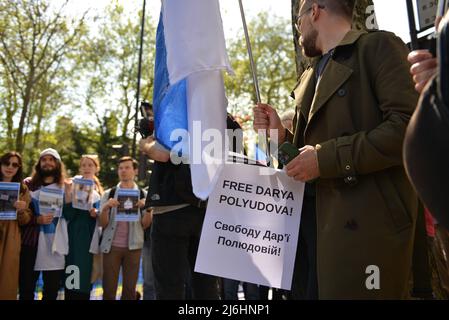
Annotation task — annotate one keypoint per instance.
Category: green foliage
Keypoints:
(56, 79)
(70, 83)
(110, 64)
(110, 148)
(36, 43)
(274, 57)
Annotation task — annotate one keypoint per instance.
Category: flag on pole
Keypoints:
(189, 88)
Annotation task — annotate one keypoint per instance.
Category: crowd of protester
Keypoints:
(354, 103)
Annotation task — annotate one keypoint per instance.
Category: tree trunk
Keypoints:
(10, 112)
(23, 116)
(298, 51)
(40, 116)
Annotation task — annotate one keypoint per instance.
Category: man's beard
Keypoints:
(49, 172)
(309, 48)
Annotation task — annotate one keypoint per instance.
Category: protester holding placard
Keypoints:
(43, 238)
(83, 196)
(11, 172)
(122, 241)
(353, 104)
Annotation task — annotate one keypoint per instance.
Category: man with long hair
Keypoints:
(38, 235)
(49, 169)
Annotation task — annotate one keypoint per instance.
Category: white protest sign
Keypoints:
(251, 227)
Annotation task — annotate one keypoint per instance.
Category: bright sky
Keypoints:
(391, 14)
(229, 9)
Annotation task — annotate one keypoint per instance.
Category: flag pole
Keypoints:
(253, 72)
(139, 75)
(250, 53)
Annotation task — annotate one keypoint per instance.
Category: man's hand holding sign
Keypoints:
(303, 167)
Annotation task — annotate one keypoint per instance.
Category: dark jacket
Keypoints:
(426, 152)
(365, 206)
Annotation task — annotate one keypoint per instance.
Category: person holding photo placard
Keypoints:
(11, 171)
(122, 242)
(353, 104)
(40, 251)
(83, 225)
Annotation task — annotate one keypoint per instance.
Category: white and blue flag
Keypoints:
(189, 88)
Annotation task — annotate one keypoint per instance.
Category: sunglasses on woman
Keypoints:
(15, 165)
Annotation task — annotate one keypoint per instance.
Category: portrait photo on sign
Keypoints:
(9, 194)
(82, 194)
(51, 201)
(128, 209)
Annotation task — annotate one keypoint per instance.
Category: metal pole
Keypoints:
(250, 53)
(253, 71)
(139, 74)
(412, 25)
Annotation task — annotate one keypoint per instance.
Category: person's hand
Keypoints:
(20, 205)
(68, 184)
(45, 219)
(141, 203)
(424, 66)
(112, 203)
(145, 144)
(153, 150)
(305, 166)
(93, 213)
(147, 218)
(68, 190)
(266, 118)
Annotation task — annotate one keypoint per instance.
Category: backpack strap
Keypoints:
(112, 192)
(111, 195)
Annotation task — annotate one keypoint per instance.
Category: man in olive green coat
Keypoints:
(353, 105)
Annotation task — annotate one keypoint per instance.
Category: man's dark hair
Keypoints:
(128, 158)
(343, 8)
(37, 178)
